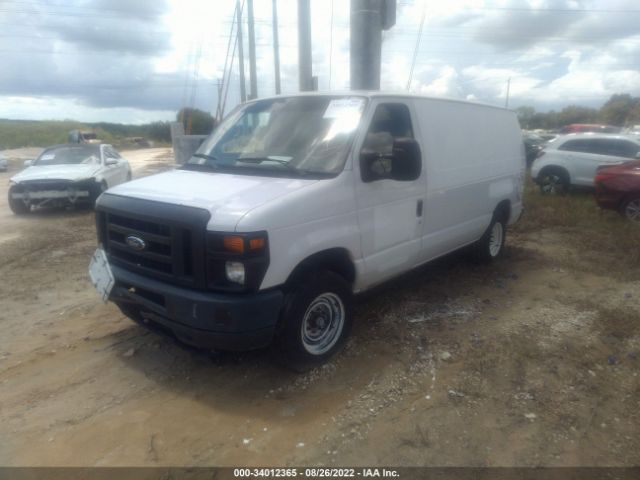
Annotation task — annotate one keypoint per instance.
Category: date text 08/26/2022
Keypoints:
(315, 473)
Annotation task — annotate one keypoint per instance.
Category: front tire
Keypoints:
(631, 210)
(17, 206)
(316, 319)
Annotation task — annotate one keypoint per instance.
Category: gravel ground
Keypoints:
(530, 361)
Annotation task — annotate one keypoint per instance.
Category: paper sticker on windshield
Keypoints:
(48, 156)
(341, 106)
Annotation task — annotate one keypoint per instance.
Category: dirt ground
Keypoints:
(530, 361)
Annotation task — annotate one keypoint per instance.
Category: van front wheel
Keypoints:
(317, 319)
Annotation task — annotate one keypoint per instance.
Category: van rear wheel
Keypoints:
(317, 319)
(491, 244)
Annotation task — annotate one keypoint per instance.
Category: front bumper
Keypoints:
(39, 191)
(609, 199)
(222, 321)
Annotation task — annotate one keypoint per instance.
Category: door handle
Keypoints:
(419, 208)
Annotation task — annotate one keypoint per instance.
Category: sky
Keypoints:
(135, 61)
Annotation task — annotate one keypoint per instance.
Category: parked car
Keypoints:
(533, 145)
(3, 163)
(573, 159)
(589, 127)
(618, 188)
(296, 203)
(67, 175)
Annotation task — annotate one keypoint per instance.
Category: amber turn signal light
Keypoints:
(256, 244)
(234, 244)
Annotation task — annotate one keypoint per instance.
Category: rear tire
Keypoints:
(554, 181)
(17, 206)
(491, 244)
(631, 210)
(316, 320)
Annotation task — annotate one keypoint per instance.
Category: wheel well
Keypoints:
(627, 198)
(336, 260)
(503, 210)
(555, 169)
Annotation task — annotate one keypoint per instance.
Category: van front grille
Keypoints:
(169, 248)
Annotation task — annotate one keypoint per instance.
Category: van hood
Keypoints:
(57, 172)
(227, 197)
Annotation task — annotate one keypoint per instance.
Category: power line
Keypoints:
(415, 51)
(555, 10)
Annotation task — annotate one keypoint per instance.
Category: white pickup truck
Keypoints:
(296, 203)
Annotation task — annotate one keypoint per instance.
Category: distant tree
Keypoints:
(620, 110)
(525, 115)
(196, 122)
(159, 131)
(576, 114)
(634, 115)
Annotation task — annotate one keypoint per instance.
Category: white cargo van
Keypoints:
(294, 204)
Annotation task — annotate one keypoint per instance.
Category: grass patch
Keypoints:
(606, 239)
(28, 133)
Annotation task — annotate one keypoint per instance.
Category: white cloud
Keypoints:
(132, 60)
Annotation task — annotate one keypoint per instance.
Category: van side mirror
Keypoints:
(404, 163)
(407, 160)
(28, 163)
(110, 161)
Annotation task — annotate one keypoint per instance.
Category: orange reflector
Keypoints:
(234, 244)
(256, 244)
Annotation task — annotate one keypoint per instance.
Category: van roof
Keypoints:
(379, 93)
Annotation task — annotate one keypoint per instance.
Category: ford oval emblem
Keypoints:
(136, 242)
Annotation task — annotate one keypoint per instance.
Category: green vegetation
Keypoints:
(196, 122)
(620, 110)
(601, 240)
(28, 133)
(32, 133)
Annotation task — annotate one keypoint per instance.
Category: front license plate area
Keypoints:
(101, 275)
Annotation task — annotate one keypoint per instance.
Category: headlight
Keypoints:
(234, 272)
(236, 261)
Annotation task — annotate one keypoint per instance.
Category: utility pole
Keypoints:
(506, 103)
(219, 108)
(276, 45)
(253, 79)
(304, 46)
(368, 19)
(243, 92)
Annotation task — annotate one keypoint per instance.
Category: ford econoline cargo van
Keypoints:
(296, 203)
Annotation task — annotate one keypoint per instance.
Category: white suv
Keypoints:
(573, 159)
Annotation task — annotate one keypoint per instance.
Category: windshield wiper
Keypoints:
(206, 156)
(285, 163)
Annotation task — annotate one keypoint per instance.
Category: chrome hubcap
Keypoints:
(322, 323)
(632, 210)
(496, 238)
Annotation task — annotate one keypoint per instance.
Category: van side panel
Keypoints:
(473, 158)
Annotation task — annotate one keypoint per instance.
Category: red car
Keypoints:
(618, 188)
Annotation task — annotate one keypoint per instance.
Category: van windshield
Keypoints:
(283, 137)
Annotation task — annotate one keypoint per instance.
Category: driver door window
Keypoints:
(390, 122)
